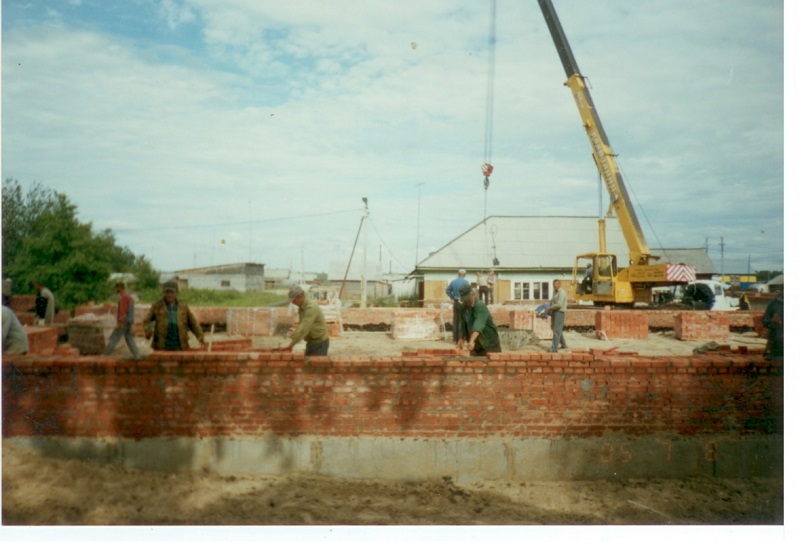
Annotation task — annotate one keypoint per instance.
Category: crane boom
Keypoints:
(603, 155)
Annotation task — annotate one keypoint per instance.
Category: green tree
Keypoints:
(766, 276)
(44, 241)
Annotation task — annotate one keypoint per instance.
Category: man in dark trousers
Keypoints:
(558, 311)
(477, 325)
(124, 323)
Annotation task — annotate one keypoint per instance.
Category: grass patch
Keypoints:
(219, 298)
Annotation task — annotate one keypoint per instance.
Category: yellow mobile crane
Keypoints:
(605, 283)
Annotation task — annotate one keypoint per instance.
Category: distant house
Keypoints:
(527, 253)
(242, 277)
(376, 285)
(776, 284)
(285, 277)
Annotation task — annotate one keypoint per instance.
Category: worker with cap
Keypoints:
(312, 327)
(477, 325)
(168, 322)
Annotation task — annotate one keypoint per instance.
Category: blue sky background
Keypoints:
(180, 124)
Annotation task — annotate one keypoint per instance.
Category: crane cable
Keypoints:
(487, 167)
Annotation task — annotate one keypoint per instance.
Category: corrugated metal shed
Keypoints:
(526, 242)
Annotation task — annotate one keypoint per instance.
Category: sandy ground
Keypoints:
(378, 343)
(48, 491)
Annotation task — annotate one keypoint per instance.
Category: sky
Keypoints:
(203, 132)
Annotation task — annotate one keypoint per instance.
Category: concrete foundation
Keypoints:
(465, 460)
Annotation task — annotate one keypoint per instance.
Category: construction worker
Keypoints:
(168, 322)
(558, 310)
(312, 327)
(477, 325)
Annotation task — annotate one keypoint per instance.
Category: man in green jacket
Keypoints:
(312, 327)
(168, 322)
(477, 324)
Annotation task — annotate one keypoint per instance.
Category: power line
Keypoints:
(222, 224)
(387, 246)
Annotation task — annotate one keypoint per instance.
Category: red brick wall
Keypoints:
(428, 395)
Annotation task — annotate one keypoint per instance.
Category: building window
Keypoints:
(226, 284)
(522, 290)
(541, 290)
(531, 290)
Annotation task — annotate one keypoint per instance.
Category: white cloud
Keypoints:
(310, 106)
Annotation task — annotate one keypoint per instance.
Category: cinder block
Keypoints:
(250, 321)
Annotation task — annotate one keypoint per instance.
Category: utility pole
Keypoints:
(722, 255)
(364, 266)
(419, 208)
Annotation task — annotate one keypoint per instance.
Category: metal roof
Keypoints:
(526, 242)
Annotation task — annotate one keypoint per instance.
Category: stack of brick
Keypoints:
(42, 339)
(333, 318)
(621, 324)
(542, 328)
(211, 316)
(89, 333)
(25, 318)
(526, 319)
(702, 326)
(416, 324)
(521, 319)
(249, 321)
(758, 326)
(24, 307)
(373, 317)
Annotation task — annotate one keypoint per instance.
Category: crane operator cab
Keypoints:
(597, 272)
